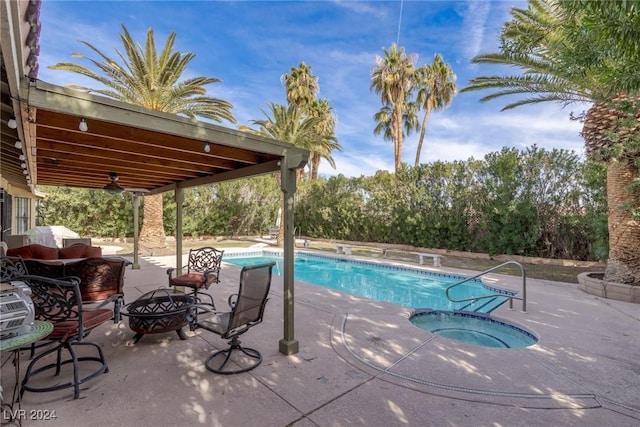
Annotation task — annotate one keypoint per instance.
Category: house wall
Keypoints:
(9, 211)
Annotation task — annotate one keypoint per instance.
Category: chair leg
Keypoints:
(234, 345)
(74, 359)
(76, 375)
(58, 360)
(181, 334)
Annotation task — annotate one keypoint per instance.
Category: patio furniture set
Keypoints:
(67, 302)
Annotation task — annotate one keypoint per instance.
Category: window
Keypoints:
(23, 215)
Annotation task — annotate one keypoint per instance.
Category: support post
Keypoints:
(136, 232)
(179, 195)
(288, 344)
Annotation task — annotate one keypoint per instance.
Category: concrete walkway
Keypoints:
(361, 362)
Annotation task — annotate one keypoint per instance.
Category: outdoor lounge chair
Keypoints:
(247, 309)
(203, 270)
(59, 301)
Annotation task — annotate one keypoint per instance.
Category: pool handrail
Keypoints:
(511, 297)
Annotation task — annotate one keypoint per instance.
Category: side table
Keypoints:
(39, 330)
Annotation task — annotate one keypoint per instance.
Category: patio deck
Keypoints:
(361, 362)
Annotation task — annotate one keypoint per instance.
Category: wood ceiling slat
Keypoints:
(92, 154)
(83, 140)
(154, 140)
(48, 157)
(102, 175)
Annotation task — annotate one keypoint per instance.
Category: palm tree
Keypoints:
(326, 141)
(575, 51)
(288, 124)
(392, 79)
(384, 123)
(301, 86)
(153, 81)
(436, 84)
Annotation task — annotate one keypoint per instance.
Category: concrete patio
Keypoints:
(361, 362)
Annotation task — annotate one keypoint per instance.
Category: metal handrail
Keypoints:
(511, 297)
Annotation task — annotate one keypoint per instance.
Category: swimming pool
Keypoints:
(397, 285)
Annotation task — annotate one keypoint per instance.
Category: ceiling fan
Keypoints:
(114, 188)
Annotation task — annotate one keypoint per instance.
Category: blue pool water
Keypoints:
(400, 286)
(473, 329)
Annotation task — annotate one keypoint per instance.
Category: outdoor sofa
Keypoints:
(101, 277)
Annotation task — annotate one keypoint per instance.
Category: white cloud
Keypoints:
(475, 25)
(357, 164)
(362, 8)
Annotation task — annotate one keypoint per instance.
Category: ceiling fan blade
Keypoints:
(136, 190)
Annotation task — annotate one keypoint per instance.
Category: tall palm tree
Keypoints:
(383, 123)
(151, 80)
(392, 79)
(326, 141)
(436, 85)
(383, 119)
(576, 51)
(301, 86)
(288, 124)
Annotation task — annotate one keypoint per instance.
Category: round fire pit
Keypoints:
(158, 312)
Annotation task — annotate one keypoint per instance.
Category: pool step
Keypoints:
(485, 305)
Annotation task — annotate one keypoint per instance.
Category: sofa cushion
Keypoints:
(79, 250)
(44, 252)
(22, 251)
(34, 251)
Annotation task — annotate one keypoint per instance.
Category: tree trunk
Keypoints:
(423, 131)
(397, 140)
(280, 238)
(623, 265)
(315, 165)
(152, 236)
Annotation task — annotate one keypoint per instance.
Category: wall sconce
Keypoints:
(12, 123)
(83, 125)
(18, 145)
(207, 148)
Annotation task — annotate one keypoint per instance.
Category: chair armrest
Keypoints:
(171, 270)
(215, 276)
(194, 310)
(232, 300)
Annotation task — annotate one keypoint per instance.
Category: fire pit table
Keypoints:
(159, 311)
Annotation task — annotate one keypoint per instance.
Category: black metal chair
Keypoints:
(59, 301)
(203, 270)
(12, 267)
(247, 310)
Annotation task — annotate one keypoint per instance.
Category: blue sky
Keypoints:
(251, 44)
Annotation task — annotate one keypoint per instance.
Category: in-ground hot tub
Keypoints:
(472, 328)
